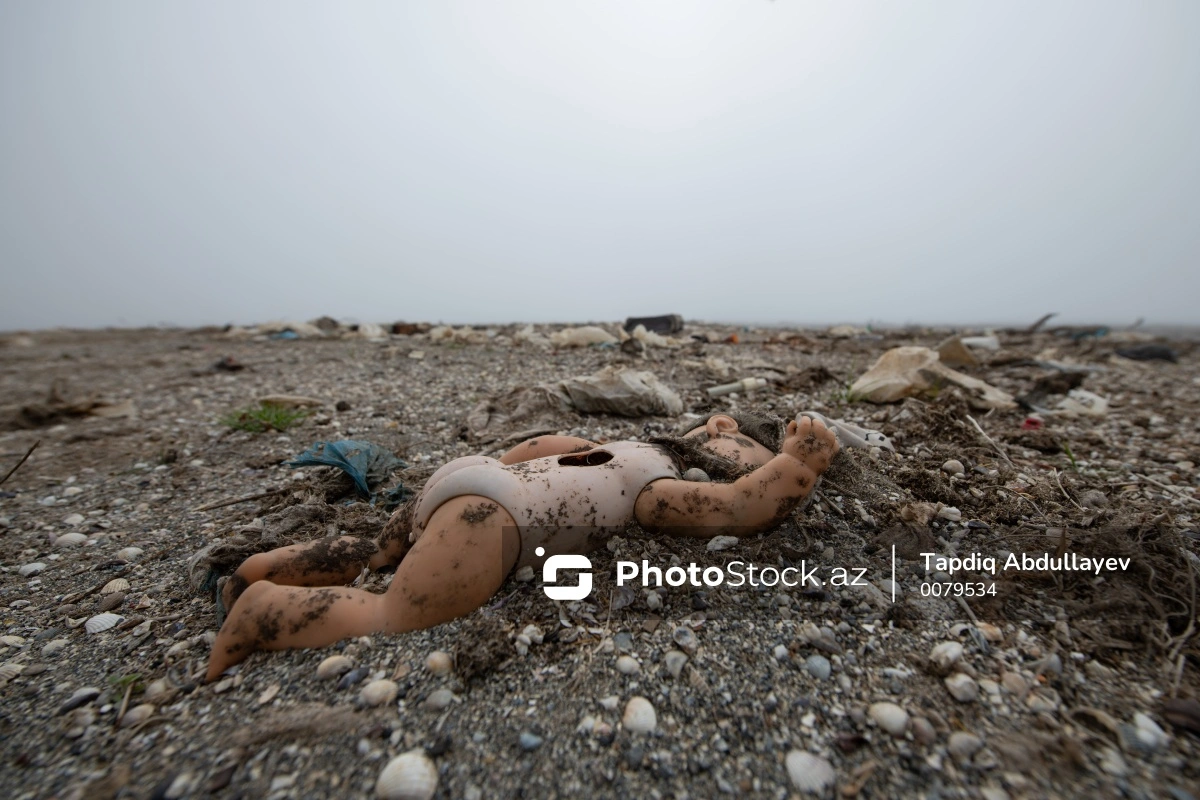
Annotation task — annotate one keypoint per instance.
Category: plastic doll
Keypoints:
(479, 518)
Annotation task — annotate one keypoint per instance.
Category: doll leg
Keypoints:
(321, 562)
(468, 548)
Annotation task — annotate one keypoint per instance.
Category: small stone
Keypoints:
(963, 745)
(78, 722)
(281, 782)
(890, 717)
(222, 686)
(267, 695)
(1093, 499)
(950, 513)
(29, 570)
(628, 665)
(1043, 700)
(809, 773)
(654, 601)
(675, 661)
(610, 703)
(529, 741)
(922, 731)
(439, 663)
(954, 467)
(524, 574)
(1149, 733)
(70, 540)
(1050, 666)
(1015, 685)
(721, 543)
(74, 519)
(685, 638)
(81, 697)
(962, 688)
(944, 656)
(639, 716)
(334, 666)
(818, 666)
(379, 693)
(54, 648)
(137, 715)
(439, 699)
(1112, 763)
(990, 632)
(890, 588)
(780, 652)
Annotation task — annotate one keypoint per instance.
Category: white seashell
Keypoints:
(70, 540)
(157, 687)
(102, 622)
(889, 716)
(411, 776)
(809, 773)
(439, 663)
(945, 655)
(639, 716)
(9, 670)
(29, 570)
(268, 694)
(137, 715)
(129, 553)
(379, 693)
(12, 641)
(74, 519)
(178, 648)
(334, 666)
(115, 585)
(75, 622)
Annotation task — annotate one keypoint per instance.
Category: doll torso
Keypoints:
(566, 504)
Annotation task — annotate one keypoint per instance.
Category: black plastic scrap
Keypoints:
(1149, 352)
(367, 464)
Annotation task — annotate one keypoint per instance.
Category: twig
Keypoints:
(967, 608)
(28, 453)
(243, 499)
(992, 442)
(1054, 472)
(1033, 328)
(124, 705)
(1175, 490)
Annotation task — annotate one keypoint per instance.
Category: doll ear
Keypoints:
(720, 423)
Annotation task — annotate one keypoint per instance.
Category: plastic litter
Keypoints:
(582, 337)
(1149, 352)
(849, 434)
(953, 353)
(907, 371)
(666, 323)
(744, 385)
(367, 464)
(1082, 403)
(982, 342)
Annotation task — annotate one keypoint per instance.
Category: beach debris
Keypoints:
(1148, 352)
(411, 776)
(953, 353)
(1082, 403)
(665, 323)
(639, 716)
(115, 585)
(809, 773)
(849, 434)
(582, 337)
(102, 622)
(909, 371)
(745, 385)
(367, 464)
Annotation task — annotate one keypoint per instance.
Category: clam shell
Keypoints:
(29, 570)
(129, 553)
(12, 641)
(115, 585)
(411, 776)
(101, 622)
(70, 540)
(9, 670)
(334, 666)
(111, 601)
(639, 716)
(137, 715)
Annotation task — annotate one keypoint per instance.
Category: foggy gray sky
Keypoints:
(745, 161)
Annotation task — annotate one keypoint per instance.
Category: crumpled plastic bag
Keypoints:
(367, 464)
(908, 371)
(612, 390)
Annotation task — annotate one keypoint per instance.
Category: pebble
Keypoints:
(74, 519)
(1112, 763)
(29, 570)
(808, 772)
(922, 730)
(54, 648)
(696, 475)
(889, 716)
(529, 741)
(78, 722)
(963, 745)
(129, 553)
(962, 688)
(334, 666)
(137, 715)
(610, 703)
(990, 632)
(780, 652)
(1149, 733)
(181, 786)
(950, 513)
(524, 574)
(627, 665)
(721, 543)
(439, 699)
(675, 662)
(267, 695)
(944, 656)
(352, 677)
(70, 540)
(411, 776)
(81, 697)
(954, 467)
(639, 716)
(818, 666)
(685, 638)
(379, 693)
(890, 588)
(439, 663)
(1046, 700)
(1015, 685)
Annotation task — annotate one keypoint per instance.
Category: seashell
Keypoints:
(115, 585)
(944, 656)
(439, 663)
(70, 540)
(129, 553)
(891, 717)
(411, 776)
(379, 693)
(157, 687)
(137, 715)
(12, 641)
(9, 670)
(81, 697)
(102, 622)
(75, 622)
(809, 773)
(53, 648)
(639, 716)
(334, 666)
(29, 570)
(78, 722)
(111, 601)
(178, 648)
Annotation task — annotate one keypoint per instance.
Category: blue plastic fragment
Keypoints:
(367, 464)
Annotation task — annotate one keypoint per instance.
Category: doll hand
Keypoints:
(811, 443)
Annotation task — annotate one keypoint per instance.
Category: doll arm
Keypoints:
(542, 446)
(753, 503)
